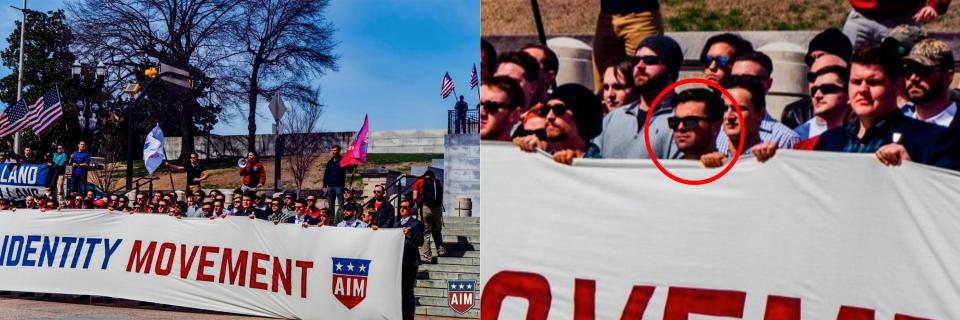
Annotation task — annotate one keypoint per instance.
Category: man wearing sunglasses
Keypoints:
(656, 65)
(828, 91)
(927, 77)
(829, 47)
(549, 66)
(412, 240)
(383, 216)
(696, 122)
(718, 54)
(876, 77)
(501, 102)
(196, 172)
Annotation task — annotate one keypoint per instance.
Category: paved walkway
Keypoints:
(66, 307)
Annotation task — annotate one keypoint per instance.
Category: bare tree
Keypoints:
(110, 142)
(300, 143)
(285, 44)
(190, 34)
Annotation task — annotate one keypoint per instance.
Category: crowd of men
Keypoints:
(885, 91)
(418, 214)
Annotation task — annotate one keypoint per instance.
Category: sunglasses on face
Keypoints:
(540, 133)
(721, 61)
(826, 88)
(689, 122)
(558, 109)
(647, 60)
(492, 106)
(919, 70)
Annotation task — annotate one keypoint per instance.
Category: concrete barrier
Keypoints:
(789, 75)
(575, 57)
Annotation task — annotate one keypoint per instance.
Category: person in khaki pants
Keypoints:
(621, 26)
(428, 194)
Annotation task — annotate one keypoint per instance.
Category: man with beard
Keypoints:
(564, 125)
(501, 103)
(696, 122)
(656, 65)
(880, 127)
(927, 76)
(718, 53)
(750, 96)
(618, 86)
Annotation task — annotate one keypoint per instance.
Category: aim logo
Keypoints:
(350, 280)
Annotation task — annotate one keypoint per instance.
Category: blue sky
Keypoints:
(392, 58)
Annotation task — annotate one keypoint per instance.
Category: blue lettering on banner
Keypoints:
(20, 180)
(41, 251)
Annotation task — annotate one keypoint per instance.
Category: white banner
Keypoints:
(232, 265)
(806, 235)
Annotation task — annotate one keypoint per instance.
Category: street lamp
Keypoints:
(88, 78)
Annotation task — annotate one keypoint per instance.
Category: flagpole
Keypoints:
(23, 28)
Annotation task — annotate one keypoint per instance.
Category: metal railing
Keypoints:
(468, 122)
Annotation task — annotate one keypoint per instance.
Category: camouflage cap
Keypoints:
(906, 36)
(931, 53)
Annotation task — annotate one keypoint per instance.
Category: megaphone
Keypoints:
(242, 162)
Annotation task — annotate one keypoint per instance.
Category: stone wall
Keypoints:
(461, 168)
(391, 141)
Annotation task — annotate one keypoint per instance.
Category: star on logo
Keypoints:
(350, 266)
(363, 268)
(339, 266)
(461, 286)
(453, 287)
(470, 286)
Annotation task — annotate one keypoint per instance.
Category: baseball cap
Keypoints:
(931, 53)
(904, 37)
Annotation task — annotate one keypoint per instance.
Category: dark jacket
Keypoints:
(926, 143)
(385, 217)
(797, 112)
(333, 175)
(309, 220)
(412, 242)
(259, 214)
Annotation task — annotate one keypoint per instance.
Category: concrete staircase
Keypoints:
(462, 238)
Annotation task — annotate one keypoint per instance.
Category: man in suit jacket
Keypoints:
(413, 239)
(248, 209)
(301, 217)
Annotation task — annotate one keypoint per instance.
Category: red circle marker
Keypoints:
(646, 132)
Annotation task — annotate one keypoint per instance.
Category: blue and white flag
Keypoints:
(153, 154)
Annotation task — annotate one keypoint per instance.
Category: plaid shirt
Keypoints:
(770, 130)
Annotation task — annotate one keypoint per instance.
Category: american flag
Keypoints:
(14, 118)
(474, 82)
(447, 86)
(46, 111)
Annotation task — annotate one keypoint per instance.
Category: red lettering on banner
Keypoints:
(284, 276)
(682, 302)
(530, 286)
(854, 313)
(171, 249)
(637, 302)
(304, 266)
(204, 263)
(584, 299)
(782, 308)
(143, 259)
(256, 270)
(238, 270)
(185, 265)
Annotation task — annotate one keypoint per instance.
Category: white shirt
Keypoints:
(944, 118)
